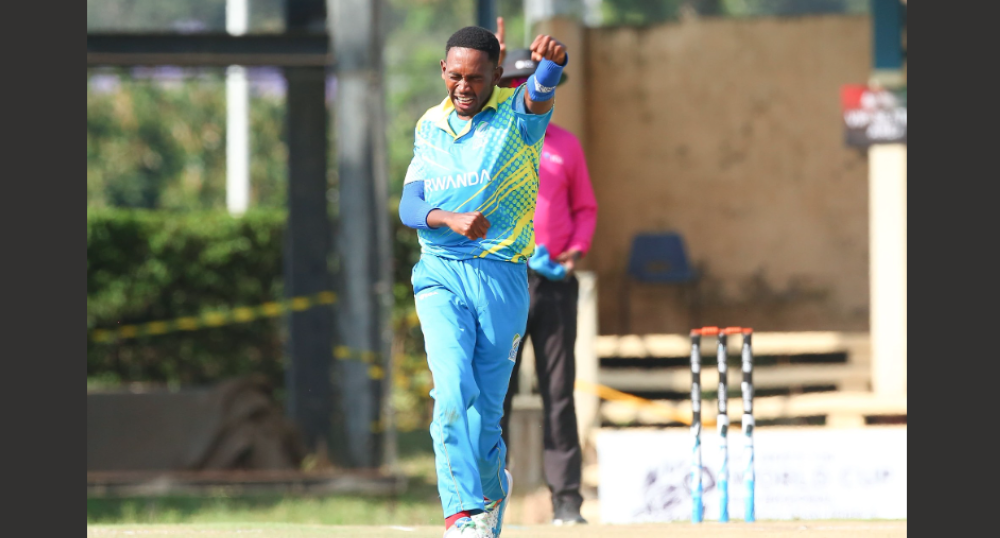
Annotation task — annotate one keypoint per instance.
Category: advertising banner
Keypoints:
(800, 474)
(873, 115)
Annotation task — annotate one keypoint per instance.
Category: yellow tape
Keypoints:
(608, 393)
(157, 327)
(344, 352)
(102, 335)
(217, 318)
(214, 319)
(271, 309)
(187, 324)
(243, 314)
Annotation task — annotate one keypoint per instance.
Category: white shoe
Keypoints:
(496, 509)
(476, 526)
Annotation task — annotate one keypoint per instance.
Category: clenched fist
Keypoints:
(472, 224)
(546, 46)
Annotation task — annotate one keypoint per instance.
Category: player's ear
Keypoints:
(444, 67)
(497, 75)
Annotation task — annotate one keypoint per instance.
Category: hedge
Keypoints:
(145, 265)
(154, 265)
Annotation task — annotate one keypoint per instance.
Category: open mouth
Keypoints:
(464, 102)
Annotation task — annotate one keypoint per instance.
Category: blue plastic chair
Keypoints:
(660, 258)
(657, 258)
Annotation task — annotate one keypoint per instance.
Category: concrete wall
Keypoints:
(729, 131)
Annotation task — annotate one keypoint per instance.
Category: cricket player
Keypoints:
(470, 193)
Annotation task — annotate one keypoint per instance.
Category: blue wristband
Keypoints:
(542, 84)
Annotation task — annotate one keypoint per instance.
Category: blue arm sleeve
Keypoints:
(413, 209)
(532, 126)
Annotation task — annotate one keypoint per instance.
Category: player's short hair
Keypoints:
(478, 38)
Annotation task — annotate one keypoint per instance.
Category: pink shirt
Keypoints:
(566, 211)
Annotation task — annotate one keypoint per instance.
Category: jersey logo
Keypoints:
(480, 137)
(512, 357)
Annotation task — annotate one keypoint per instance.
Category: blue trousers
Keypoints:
(473, 314)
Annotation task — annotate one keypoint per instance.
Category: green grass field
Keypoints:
(416, 513)
(783, 529)
(419, 505)
(410, 509)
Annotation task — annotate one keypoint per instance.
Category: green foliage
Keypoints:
(647, 12)
(147, 266)
(150, 265)
(162, 146)
(267, 514)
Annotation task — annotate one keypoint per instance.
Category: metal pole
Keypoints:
(486, 14)
(307, 247)
(237, 118)
(312, 398)
(363, 224)
(887, 215)
(585, 349)
(384, 251)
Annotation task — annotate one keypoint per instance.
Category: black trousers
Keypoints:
(552, 327)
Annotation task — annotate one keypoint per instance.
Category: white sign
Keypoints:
(800, 474)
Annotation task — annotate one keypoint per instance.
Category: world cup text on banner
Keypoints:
(645, 476)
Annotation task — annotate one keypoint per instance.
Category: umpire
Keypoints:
(565, 217)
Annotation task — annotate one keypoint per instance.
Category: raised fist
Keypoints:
(546, 46)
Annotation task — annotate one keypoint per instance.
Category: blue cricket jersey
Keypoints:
(491, 166)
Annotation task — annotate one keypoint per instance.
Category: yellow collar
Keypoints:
(499, 95)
